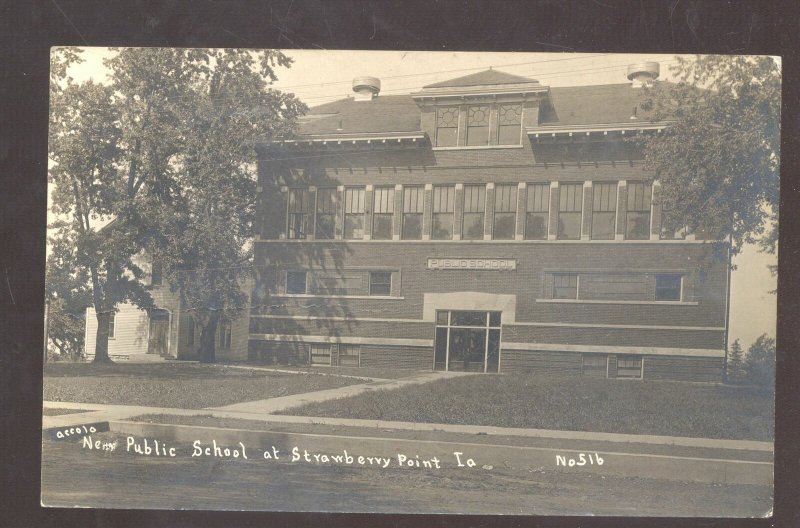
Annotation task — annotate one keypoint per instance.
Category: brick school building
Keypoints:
(488, 223)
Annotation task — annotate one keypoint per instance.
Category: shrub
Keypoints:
(760, 361)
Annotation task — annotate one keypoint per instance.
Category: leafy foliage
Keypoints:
(760, 361)
(719, 160)
(167, 152)
(735, 369)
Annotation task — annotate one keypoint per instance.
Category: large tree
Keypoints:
(719, 159)
(207, 237)
(166, 151)
(68, 295)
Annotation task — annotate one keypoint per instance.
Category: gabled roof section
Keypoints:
(483, 78)
(381, 115)
(598, 104)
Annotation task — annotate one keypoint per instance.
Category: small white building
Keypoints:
(169, 331)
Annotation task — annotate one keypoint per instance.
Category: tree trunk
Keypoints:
(208, 339)
(101, 340)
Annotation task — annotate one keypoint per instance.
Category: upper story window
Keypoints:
(382, 213)
(668, 287)
(565, 286)
(413, 203)
(474, 209)
(299, 208)
(637, 219)
(326, 213)
(505, 212)
(354, 213)
(509, 121)
(444, 199)
(570, 210)
(671, 229)
(604, 210)
(447, 126)
(478, 125)
(112, 324)
(156, 274)
(537, 213)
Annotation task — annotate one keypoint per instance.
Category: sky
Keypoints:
(320, 76)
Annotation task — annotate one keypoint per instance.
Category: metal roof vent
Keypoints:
(643, 73)
(366, 88)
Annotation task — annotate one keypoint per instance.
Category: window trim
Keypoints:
(680, 287)
(371, 273)
(577, 286)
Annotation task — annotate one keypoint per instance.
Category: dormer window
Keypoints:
(509, 124)
(447, 126)
(478, 126)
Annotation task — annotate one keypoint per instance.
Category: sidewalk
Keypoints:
(274, 405)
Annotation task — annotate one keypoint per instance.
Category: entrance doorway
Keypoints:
(158, 343)
(467, 341)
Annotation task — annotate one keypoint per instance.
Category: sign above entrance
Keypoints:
(472, 264)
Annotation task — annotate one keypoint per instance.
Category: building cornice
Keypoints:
(598, 130)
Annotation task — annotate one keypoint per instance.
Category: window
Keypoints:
(565, 286)
(380, 283)
(668, 287)
(604, 211)
(478, 125)
(349, 355)
(595, 365)
(569, 211)
(224, 333)
(474, 207)
(637, 219)
(505, 212)
(509, 119)
(326, 213)
(537, 211)
(671, 228)
(447, 127)
(629, 366)
(319, 354)
(413, 201)
(156, 274)
(382, 213)
(299, 207)
(295, 282)
(190, 331)
(354, 213)
(444, 199)
(112, 324)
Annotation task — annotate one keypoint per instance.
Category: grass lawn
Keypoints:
(368, 372)
(59, 412)
(569, 403)
(179, 385)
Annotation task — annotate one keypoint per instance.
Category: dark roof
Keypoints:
(385, 113)
(598, 104)
(572, 105)
(486, 77)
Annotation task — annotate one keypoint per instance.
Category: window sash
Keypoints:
(478, 120)
(570, 197)
(380, 283)
(603, 225)
(536, 225)
(382, 213)
(473, 227)
(412, 226)
(383, 200)
(569, 225)
(505, 198)
(504, 227)
(509, 121)
(382, 226)
(565, 286)
(294, 280)
(299, 207)
(447, 126)
(442, 228)
(668, 287)
(538, 199)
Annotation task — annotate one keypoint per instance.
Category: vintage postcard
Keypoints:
(411, 282)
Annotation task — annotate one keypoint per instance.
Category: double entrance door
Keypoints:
(467, 341)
